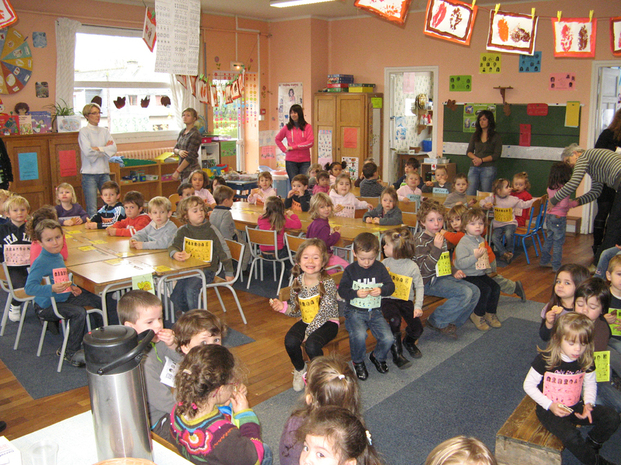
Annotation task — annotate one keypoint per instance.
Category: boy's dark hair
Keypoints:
(223, 193)
(183, 186)
(46, 212)
(413, 163)
(134, 197)
(42, 226)
(110, 185)
(460, 176)
(560, 174)
(196, 321)
(187, 203)
(366, 242)
(301, 178)
(595, 287)
(220, 179)
(472, 214)
(369, 169)
(128, 306)
(427, 207)
(322, 175)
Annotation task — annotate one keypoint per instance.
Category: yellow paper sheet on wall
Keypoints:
(309, 308)
(403, 285)
(602, 365)
(572, 115)
(443, 267)
(503, 215)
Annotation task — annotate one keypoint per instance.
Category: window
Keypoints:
(116, 65)
(226, 118)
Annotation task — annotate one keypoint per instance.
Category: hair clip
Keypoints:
(369, 437)
(195, 407)
(187, 372)
(341, 376)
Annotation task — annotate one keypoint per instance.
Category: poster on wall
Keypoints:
(512, 32)
(574, 37)
(352, 166)
(450, 20)
(7, 13)
(178, 36)
(395, 11)
(324, 146)
(615, 36)
(289, 93)
(472, 110)
(148, 30)
(15, 60)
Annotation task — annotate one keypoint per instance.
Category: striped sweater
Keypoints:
(604, 167)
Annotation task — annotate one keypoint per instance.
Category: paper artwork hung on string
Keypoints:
(615, 36)
(7, 13)
(574, 37)
(450, 20)
(148, 31)
(395, 11)
(512, 32)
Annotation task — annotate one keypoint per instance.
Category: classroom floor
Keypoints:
(268, 365)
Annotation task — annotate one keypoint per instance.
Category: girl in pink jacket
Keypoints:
(300, 139)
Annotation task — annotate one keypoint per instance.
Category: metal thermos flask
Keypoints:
(117, 390)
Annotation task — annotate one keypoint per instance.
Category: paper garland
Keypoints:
(208, 94)
(450, 20)
(511, 32)
(574, 37)
(615, 36)
(395, 11)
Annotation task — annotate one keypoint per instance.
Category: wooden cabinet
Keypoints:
(151, 187)
(348, 125)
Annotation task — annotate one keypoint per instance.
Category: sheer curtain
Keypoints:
(65, 59)
(182, 98)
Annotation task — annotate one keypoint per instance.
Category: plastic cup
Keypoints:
(44, 453)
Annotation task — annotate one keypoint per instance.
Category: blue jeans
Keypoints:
(480, 178)
(294, 168)
(461, 298)
(186, 292)
(357, 321)
(555, 238)
(90, 184)
(497, 235)
(604, 260)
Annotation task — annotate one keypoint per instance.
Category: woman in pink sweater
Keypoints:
(300, 139)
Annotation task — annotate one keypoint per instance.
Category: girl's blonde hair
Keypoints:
(461, 450)
(524, 176)
(411, 174)
(42, 226)
(296, 271)
(402, 242)
(338, 179)
(189, 202)
(69, 187)
(456, 211)
(16, 201)
(573, 327)
(275, 212)
(499, 184)
(320, 199)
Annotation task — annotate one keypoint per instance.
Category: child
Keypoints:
(200, 182)
(432, 257)
(46, 212)
(567, 279)
(387, 212)
(441, 182)
(323, 183)
(556, 217)
(412, 165)
(329, 381)
(298, 198)
(398, 249)
(217, 181)
(362, 285)
(320, 211)
(4, 196)
(461, 450)
(193, 212)
(334, 169)
(70, 299)
(221, 217)
(520, 190)
(135, 219)
(361, 175)
(412, 180)
(613, 274)
(335, 436)
(504, 223)
(370, 185)
(454, 233)
(185, 190)
(313, 297)
(159, 233)
(312, 173)
(13, 232)
(568, 359)
(209, 377)
(69, 211)
(257, 196)
(472, 259)
(458, 196)
(112, 211)
(345, 203)
(276, 218)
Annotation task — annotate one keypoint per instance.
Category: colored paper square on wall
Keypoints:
(460, 83)
(562, 81)
(525, 134)
(28, 166)
(572, 115)
(67, 163)
(350, 138)
(530, 64)
(490, 63)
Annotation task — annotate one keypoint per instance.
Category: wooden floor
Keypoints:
(267, 362)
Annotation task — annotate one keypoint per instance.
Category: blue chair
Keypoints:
(535, 224)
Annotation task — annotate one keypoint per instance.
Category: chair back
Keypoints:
(293, 244)
(410, 219)
(409, 207)
(7, 278)
(359, 212)
(542, 213)
(535, 215)
(174, 200)
(237, 254)
(258, 237)
(370, 200)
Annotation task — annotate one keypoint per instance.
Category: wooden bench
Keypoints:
(523, 440)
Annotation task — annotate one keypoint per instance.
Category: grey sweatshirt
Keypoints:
(464, 255)
(153, 238)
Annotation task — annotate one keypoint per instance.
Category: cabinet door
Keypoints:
(325, 121)
(66, 162)
(351, 126)
(31, 164)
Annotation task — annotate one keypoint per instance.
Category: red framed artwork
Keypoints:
(450, 20)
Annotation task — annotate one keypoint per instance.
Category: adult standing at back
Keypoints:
(604, 167)
(96, 147)
(300, 139)
(187, 147)
(484, 150)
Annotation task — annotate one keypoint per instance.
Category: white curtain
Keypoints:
(65, 58)
(182, 99)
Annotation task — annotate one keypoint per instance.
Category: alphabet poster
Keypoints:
(602, 365)
(561, 388)
(178, 36)
(202, 250)
(450, 20)
(61, 275)
(369, 301)
(17, 254)
(309, 308)
(503, 215)
(443, 267)
(574, 37)
(403, 285)
(512, 32)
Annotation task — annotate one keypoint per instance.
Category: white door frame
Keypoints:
(387, 168)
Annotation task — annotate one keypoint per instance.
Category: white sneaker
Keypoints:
(15, 312)
(298, 379)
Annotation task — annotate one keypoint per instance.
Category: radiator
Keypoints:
(144, 154)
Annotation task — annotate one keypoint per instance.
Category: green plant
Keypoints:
(60, 109)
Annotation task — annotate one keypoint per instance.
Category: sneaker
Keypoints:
(380, 366)
(479, 322)
(492, 320)
(75, 359)
(298, 379)
(519, 290)
(361, 371)
(15, 313)
(450, 330)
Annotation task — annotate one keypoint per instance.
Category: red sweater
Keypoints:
(525, 216)
(129, 226)
(291, 222)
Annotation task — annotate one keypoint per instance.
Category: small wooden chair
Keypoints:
(174, 200)
(17, 294)
(257, 238)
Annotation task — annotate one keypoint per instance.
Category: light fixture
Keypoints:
(237, 66)
(287, 3)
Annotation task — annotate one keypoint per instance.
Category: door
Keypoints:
(607, 98)
(351, 121)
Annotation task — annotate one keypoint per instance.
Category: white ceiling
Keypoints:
(261, 8)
